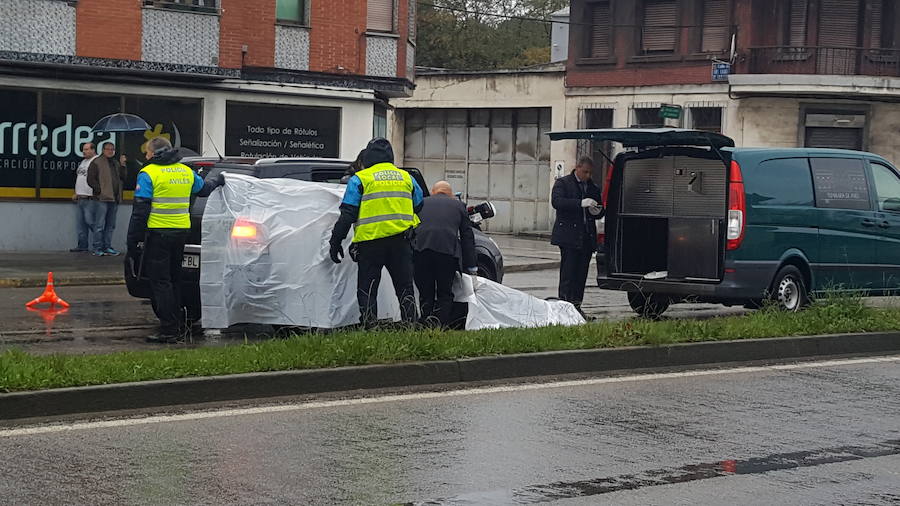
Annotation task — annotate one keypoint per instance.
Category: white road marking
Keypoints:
(202, 415)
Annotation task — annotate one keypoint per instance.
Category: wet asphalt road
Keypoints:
(818, 433)
(105, 319)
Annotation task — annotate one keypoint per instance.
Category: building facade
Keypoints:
(238, 77)
(791, 73)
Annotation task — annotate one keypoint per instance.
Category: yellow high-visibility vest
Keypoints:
(172, 185)
(387, 203)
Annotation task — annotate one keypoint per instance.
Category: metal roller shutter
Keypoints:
(660, 33)
(839, 23)
(875, 31)
(715, 26)
(838, 138)
(798, 23)
(600, 30)
(380, 15)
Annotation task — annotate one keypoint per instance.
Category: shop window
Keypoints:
(716, 30)
(380, 15)
(292, 11)
(659, 33)
(379, 123)
(278, 131)
(599, 43)
(188, 5)
(646, 117)
(705, 118)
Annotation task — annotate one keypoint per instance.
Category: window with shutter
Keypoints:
(380, 16)
(880, 21)
(796, 32)
(660, 32)
(839, 23)
(600, 31)
(716, 29)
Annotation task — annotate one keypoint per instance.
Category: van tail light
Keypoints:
(609, 172)
(243, 229)
(737, 207)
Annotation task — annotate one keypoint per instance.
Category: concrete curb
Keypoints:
(168, 393)
(39, 282)
(61, 281)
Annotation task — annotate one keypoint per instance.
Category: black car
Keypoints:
(489, 258)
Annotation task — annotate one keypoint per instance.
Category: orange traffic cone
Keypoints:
(49, 295)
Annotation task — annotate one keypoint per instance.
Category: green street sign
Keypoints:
(670, 111)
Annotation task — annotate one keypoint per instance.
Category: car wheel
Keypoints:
(789, 289)
(648, 306)
(486, 270)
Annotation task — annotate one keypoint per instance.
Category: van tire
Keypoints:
(650, 306)
(789, 289)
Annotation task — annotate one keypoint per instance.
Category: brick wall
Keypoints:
(250, 23)
(336, 37)
(108, 29)
(403, 31)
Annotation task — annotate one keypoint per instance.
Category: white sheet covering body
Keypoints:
(275, 268)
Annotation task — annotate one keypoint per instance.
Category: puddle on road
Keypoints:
(692, 472)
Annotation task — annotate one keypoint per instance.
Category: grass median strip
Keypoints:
(23, 371)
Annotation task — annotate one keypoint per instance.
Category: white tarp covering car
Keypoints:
(265, 260)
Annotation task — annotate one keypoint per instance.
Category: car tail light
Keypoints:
(601, 239)
(737, 207)
(204, 164)
(609, 172)
(243, 229)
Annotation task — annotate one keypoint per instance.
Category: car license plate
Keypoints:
(190, 261)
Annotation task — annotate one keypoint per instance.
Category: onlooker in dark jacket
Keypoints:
(577, 202)
(106, 177)
(443, 239)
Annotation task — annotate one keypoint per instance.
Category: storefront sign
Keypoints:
(44, 152)
(276, 131)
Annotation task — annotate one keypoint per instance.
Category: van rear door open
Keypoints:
(667, 204)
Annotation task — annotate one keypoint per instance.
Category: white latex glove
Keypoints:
(595, 210)
(472, 270)
(589, 203)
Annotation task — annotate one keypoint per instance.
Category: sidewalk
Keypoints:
(29, 269)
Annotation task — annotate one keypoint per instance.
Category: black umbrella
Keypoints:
(121, 122)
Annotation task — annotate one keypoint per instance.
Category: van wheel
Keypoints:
(648, 306)
(789, 289)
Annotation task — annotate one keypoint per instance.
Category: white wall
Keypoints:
(49, 226)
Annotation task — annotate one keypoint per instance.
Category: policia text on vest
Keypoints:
(159, 227)
(381, 201)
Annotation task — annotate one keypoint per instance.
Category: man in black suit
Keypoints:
(577, 202)
(443, 238)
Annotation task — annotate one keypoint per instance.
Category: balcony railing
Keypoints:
(844, 61)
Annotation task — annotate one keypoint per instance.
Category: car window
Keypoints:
(887, 186)
(840, 183)
(781, 182)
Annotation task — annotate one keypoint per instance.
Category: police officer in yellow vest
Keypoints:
(382, 201)
(161, 220)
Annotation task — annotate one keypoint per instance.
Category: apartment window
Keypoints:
(188, 5)
(379, 122)
(708, 119)
(380, 15)
(646, 117)
(716, 30)
(881, 24)
(660, 32)
(291, 10)
(793, 29)
(598, 45)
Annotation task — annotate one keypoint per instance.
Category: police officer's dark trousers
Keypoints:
(395, 253)
(573, 269)
(162, 261)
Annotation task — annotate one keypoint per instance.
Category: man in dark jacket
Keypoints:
(106, 177)
(577, 202)
(443, 239)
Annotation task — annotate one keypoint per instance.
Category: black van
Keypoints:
(692, 218)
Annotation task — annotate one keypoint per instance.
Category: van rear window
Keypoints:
(781, 182)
